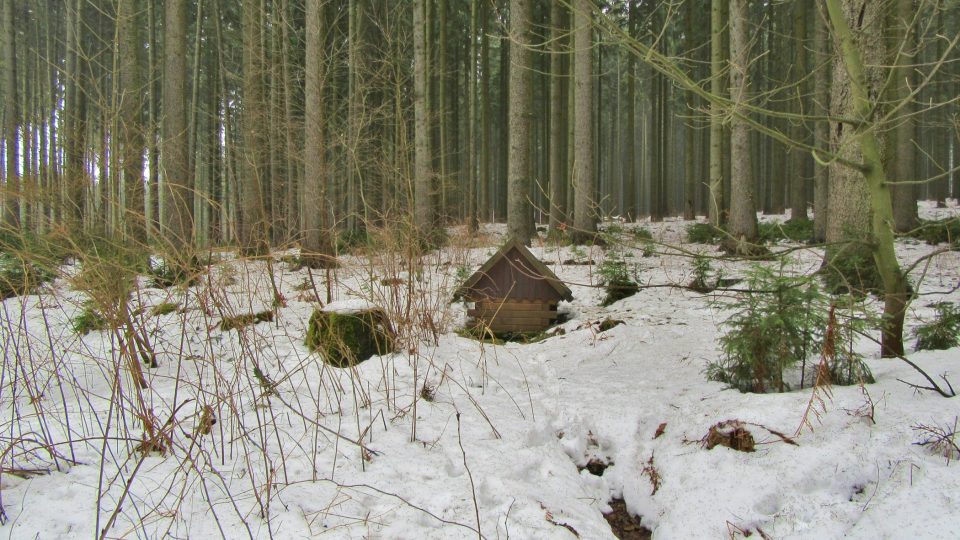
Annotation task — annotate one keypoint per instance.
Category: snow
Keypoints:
(500, 438)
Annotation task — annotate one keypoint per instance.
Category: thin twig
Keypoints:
(473, 489)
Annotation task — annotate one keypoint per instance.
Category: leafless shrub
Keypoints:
(940, 440)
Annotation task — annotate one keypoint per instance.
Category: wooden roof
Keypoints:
(514, 272)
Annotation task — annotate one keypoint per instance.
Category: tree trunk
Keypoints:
(355, 170)
(486, 122)
(153, 121)
(442, 109)
(821, 130)
(690, 179)
(901, 156)
(715, 207)
(584, 213)
(863, 214)
(317, 248)
(177, 196)
(798, 158)
(11, 119)
(131, 128)
(558, 130)
(422, 168)
(74, 110)
(503, 146)
(743, 216)
(519, 207)
(659, 135)
(473, 224)
(253, 211)
(294, 128)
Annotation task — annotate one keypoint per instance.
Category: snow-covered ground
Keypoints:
(453, 438)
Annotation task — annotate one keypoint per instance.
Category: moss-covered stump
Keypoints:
(346, 339)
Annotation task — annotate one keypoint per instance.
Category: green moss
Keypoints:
(704, 233)
(18, 277)
(641, 233)
(941, 333)
(558, 237)
(246, 319)
(352, 241)
(164, 308)
(943, 231)
(164, 274)
(345, 339)
(480, 333)
(89, 320)
(852, 270)
(616, 279)
(795, 230)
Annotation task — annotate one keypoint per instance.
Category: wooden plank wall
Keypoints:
(515, 316)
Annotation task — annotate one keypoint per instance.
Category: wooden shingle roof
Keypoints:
(513, 272)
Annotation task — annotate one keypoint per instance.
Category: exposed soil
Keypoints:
(624, 525)
(609, 323)
(595, 466)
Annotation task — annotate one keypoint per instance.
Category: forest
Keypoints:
(753, 202)
(212, 123)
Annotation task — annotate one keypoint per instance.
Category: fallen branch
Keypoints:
(949, 393)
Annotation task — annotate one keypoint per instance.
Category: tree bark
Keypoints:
(821, 130)
(131, 127)
(443, 113)
(486, 121)
(902, 156)
(473, 224)
(422, 168)
(690, 179)
(798, 158)
(294, 128)
(716, 205)
(355, 148)
(11, 120)
(317, 248)
(177, 197)
(153, 121)
(519, 207)
(865, 222)
(584, 213)
(742, 225)
(558, 130)
(253, 210)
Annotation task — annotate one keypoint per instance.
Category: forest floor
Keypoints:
(451, 437)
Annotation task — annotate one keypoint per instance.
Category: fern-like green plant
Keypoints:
(616, 279)
(780, 321)
(943, 332)
(772, 328)
(704, 233)
(19, 276)
(89, 320)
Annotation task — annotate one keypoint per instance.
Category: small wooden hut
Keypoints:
(514, 292)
